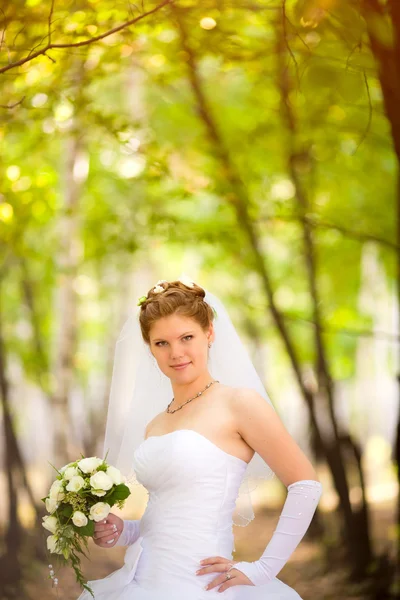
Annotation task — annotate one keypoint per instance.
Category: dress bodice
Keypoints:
(192, 485)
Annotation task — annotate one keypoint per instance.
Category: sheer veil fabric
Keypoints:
(140, 391)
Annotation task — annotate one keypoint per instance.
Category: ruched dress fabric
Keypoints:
(193, 485)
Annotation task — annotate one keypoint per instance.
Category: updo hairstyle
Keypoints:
(177, 298)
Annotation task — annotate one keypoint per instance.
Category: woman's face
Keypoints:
(180, 347)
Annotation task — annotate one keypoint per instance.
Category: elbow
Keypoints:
(305, 476)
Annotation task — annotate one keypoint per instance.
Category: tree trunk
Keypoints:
(66, 302)
(239, 200)
(10, 566)
(357, 529)
(388, 60)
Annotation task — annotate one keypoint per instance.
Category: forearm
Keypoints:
(130, 533)
(297, 513)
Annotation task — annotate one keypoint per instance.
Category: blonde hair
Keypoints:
(177, 298)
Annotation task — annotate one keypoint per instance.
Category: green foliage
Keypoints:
(65, 510)
(117, 494)
(87, 530)
(153, 179)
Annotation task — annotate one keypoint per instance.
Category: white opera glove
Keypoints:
(297, 513)
(129, 534)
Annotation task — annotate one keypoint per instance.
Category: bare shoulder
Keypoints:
(259, 424)
(246, 401)
(153, 423)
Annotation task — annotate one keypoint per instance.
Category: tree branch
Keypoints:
(316, 223)
(331, 329)
(92, 40)
(49, 21)
(368, 126)
(13, 105)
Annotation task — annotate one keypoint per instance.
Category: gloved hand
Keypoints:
(129, 534)
(297, 513)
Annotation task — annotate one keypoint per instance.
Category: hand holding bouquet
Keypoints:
(82, 495)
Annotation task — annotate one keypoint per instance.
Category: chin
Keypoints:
(185, 376)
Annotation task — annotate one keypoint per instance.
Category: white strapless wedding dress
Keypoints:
(192, 485)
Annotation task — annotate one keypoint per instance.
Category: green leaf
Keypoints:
(69, 532)
(120, 492)
(87, 530)
(319, 76)
(65, 509)
(350, 85)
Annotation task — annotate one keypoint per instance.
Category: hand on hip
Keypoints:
(228, 576)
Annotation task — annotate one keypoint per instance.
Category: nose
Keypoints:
(176, 352)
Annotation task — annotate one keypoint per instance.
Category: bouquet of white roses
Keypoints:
(74, 505)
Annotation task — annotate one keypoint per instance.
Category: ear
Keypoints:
(211, 333)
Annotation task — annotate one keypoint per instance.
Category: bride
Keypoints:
(190, 420)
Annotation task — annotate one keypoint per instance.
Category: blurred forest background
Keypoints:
(255, 146)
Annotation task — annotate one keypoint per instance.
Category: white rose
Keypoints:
(51, 505)
(52, 545)
(57, 490)
(88, 465)
(158, 289)
(65, 467)
(99, 511)
(115, 475)
(101, 481)
(50, 523)
(99, 492)
(76, 484)
(79, 519)
(70, 472)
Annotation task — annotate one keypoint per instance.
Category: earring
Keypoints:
(209, 345)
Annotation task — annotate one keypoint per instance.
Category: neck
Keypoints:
(183, 392)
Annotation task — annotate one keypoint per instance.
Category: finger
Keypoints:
(101, 532)
(227, 584)
(102, 528)
(217, 568)
(106, 542)
(212, 560)
(106, 534)
(217, 582)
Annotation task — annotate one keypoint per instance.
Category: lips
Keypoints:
(181, 366)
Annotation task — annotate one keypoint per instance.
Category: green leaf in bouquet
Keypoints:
(65, 510)
(116, 494)
(69, 532)
(122, 491)
(55, 468)
(87, 530)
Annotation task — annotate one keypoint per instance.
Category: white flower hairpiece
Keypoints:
(158, 288)
(186, 281)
